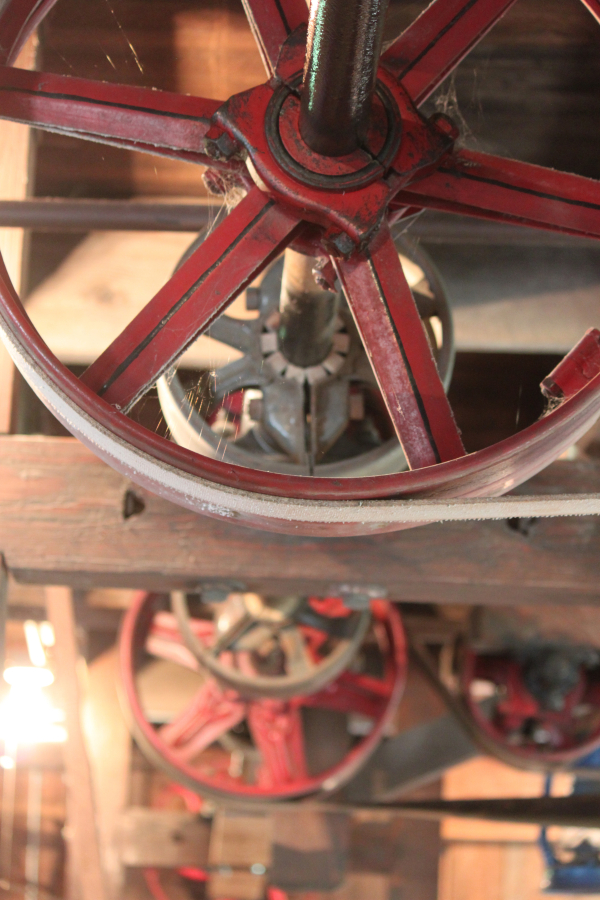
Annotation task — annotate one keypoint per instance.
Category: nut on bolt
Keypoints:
(219, 145)
(339, 243)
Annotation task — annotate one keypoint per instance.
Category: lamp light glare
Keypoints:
(28, 677)
(35, 648)
(47, 634)
(27, 715)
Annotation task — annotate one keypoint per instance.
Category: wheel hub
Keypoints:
(400, 142)
(354, 170)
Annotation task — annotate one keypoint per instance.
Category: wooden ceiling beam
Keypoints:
(63, 521)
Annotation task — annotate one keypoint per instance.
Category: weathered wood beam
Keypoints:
(14, 179)
(108, 740)
(62, 520)
(87, 876)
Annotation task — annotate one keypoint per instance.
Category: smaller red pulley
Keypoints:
(224, 742)
(537, 704)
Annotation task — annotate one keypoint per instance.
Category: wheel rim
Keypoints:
(518, 724)
(293, 628)
(316, 505)
(268, 719)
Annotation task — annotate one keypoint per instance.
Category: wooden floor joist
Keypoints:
(86, 872)
(66, 518)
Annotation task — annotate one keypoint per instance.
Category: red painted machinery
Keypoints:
(537, 706)
(327, 156)
(285, 698)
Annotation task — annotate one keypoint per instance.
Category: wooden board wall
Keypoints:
(14, 185)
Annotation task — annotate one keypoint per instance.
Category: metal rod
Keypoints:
(342, 55)
(308, 313)
(56, 214)
(574, 811)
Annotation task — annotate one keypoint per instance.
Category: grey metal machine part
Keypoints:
(307, 397)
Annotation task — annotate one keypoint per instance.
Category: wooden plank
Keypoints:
(103, 284)
(492, 872)
(164, 838)
(238, 842)
(315, 848)
(61, 520)
(504, 298)
(485, 777)
(14, 178)
(7, 380)
(109, 748)
(3, 611)
(87, 877)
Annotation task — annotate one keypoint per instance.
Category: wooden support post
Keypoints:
(3, 613)
(109, 747)
(87, 874)
(14, 178)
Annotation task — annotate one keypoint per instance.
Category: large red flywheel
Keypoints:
(326, 160)
(228, 740)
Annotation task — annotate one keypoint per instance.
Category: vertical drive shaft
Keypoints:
(342, 54)
(308, 314)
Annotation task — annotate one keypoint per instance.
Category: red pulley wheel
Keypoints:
(222, 743)
(539, 707)
(338, 209)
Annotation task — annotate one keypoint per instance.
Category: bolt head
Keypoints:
(221, 146)
(339, 243)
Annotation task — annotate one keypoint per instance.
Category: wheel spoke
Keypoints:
(160, 122)
(353, 693)
(222, 266)
(395, 340)
(272, 22)
(165, 642)
(235, 375)
(277, 731)
(212, 712)
(298, 659)
(491, 187)
(438, 40)
(235, 631)
(172, 651)
(236, 333)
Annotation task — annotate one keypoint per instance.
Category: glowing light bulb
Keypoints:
(27, 715)
(28, 677)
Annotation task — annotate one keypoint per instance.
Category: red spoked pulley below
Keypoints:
(537, 706)
(213, 740)
(266, 647)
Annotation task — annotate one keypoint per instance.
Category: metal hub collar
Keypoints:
(349, 172)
